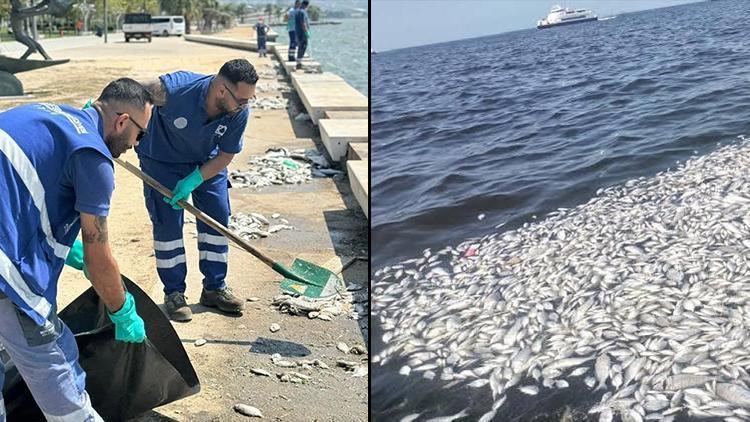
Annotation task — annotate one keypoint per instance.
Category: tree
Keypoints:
(279, 12)
(241, 11)
(314, 12)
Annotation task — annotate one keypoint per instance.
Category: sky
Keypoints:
(408, 23)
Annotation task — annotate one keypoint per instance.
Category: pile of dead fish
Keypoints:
(352, 301)
(643, 293)
(269, 73)
(279, 166)
(272, 87)
(256, 225)
(268, 103)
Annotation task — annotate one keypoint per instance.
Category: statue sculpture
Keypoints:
(9, 84)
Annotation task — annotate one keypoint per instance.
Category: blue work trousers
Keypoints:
(47, 359)
(211, 197)
(292, 45)
(301, 46)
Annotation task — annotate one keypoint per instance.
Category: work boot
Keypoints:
(177, 307)
(299, 65)
(222, 299)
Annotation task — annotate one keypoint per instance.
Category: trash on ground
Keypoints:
(360, 371)
(271, 87)
(254, 226)
(247, 410)
(262, 372)
(279, 166)
(269, 103)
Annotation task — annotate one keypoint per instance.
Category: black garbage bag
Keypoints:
(123, 380)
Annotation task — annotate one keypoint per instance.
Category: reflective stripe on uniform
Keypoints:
(84, 414)
(212, 256)
(168, 245)
(212, 239)
(171, 262)
(30, 178)
(10, 274)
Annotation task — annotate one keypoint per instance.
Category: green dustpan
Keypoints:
(309, 280)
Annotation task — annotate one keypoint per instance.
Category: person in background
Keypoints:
(290, 24)
(302, 28)
(261, 30)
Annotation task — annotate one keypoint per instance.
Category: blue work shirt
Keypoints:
(179, 131)
(54, 164)
(290, 20)
(301, 17)
(261, 29)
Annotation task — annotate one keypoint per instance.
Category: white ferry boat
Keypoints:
(559, 16)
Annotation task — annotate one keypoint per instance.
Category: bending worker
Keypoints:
(56, 178)
(196, 129)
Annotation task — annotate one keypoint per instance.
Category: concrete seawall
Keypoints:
(249, 45)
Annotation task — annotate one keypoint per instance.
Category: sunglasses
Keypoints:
(142, 130)
(240, 103)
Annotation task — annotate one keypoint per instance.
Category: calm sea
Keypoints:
(517, 125)
(341, 49)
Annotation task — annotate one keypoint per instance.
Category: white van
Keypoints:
(137, 25)
(167, 25)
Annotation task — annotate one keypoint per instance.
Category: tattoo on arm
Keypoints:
(99, 235)
(158, 92)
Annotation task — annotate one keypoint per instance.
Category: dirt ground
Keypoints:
(330, 229)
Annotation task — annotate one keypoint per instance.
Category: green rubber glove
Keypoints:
(184, 187)
(88, 104)
(307, 34)
(129, 326)
(75, 256)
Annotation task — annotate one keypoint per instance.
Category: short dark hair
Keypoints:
(305, 3)
(239, 70)
(127, 91)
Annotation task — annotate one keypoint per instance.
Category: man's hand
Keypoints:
(129, 326)
(105, 277)
(185, 187)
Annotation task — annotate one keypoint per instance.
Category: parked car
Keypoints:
(137, 25)
(167, 25)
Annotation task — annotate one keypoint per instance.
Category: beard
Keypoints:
(117, 144)
(224, 107)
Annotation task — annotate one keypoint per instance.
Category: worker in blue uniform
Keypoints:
(56, 179)
(291, 22)
(302, 30)
(196, 128)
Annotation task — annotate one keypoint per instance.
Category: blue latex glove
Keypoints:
(307, 35)
(128, 325)
(184, 187)
(75, 256)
